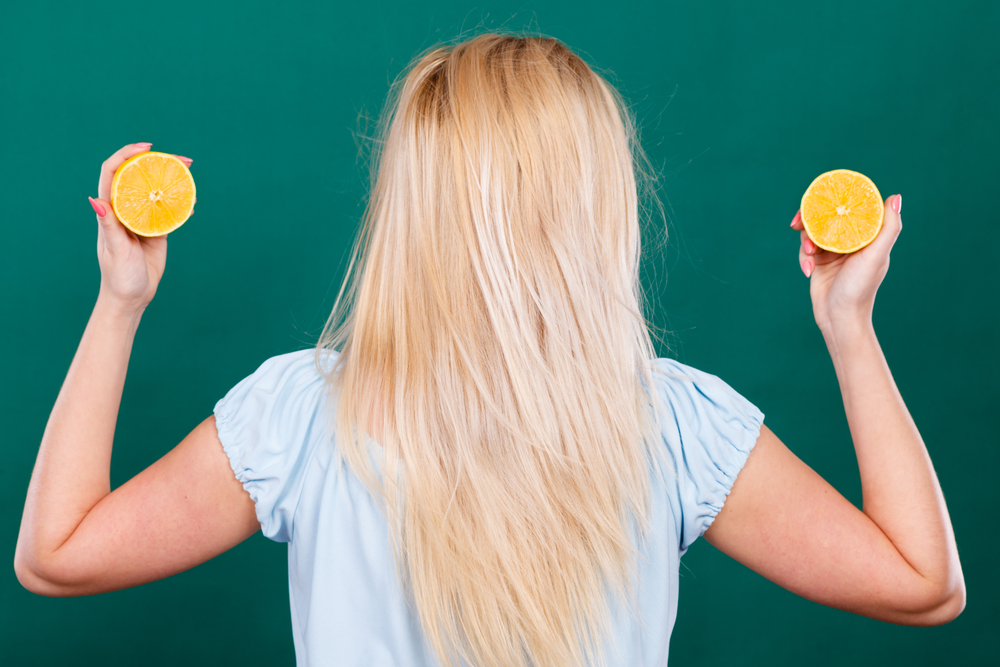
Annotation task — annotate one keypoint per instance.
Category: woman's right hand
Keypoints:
(842, 286)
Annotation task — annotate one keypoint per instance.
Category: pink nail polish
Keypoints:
(897, 203)
(98, 209)
(795, 219)
(185, 158)
(809, 269)
(146, 145)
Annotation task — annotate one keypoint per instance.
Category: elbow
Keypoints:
(25, 576)
(943, 607)
(949, 608)
(34, 582)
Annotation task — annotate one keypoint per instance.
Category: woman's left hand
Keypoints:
(131, 265)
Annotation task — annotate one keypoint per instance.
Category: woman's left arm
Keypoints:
(78, 537)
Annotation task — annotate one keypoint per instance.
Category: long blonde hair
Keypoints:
(493, 348)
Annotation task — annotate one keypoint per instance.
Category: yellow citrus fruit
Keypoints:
(153, 193)
(842, 211)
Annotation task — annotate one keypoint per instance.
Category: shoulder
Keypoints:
(688, 387)
(295, 375)
(708, 429)
(702, 404)
(666, 367)
(271, 424)
(299, 366)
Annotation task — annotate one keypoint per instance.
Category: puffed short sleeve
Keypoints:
(269, 427)
(708, 432)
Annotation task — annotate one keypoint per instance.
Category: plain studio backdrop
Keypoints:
(741, 105)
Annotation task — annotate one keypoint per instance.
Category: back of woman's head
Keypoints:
(492, 341)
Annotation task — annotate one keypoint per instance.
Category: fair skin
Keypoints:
(895, 560)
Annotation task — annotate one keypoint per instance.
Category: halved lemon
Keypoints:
(842, 211)
(153, 193)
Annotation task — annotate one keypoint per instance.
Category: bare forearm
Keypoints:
(901, 493)
(72, 470)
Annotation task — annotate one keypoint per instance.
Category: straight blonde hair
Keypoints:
(493, 350)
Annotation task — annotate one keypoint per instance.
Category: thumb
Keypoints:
(892, 224)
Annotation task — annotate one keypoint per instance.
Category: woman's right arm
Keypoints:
(896, 560)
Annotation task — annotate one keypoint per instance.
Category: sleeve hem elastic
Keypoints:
(736, 464)
(234, 452)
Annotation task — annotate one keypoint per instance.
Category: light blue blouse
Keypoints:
(347, 606)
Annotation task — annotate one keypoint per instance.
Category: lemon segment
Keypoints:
(842, 211)
(153, 193)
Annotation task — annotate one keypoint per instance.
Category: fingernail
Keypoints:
(809, 268)
(147, 145)
(185, 158)
(897, 203)
(98, 209)
(795, 219)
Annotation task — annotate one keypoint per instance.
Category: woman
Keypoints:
(489, 349)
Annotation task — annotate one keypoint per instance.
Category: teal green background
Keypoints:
(741, 105)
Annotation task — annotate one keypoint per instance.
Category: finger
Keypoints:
(808, 247)
(111, 165)
(797, 220)
(809, 260)
(806, 264)
(116, 236)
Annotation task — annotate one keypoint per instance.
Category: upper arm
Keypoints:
(785, 522)
(183, 510)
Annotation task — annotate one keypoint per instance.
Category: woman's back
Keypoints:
(347, 603)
